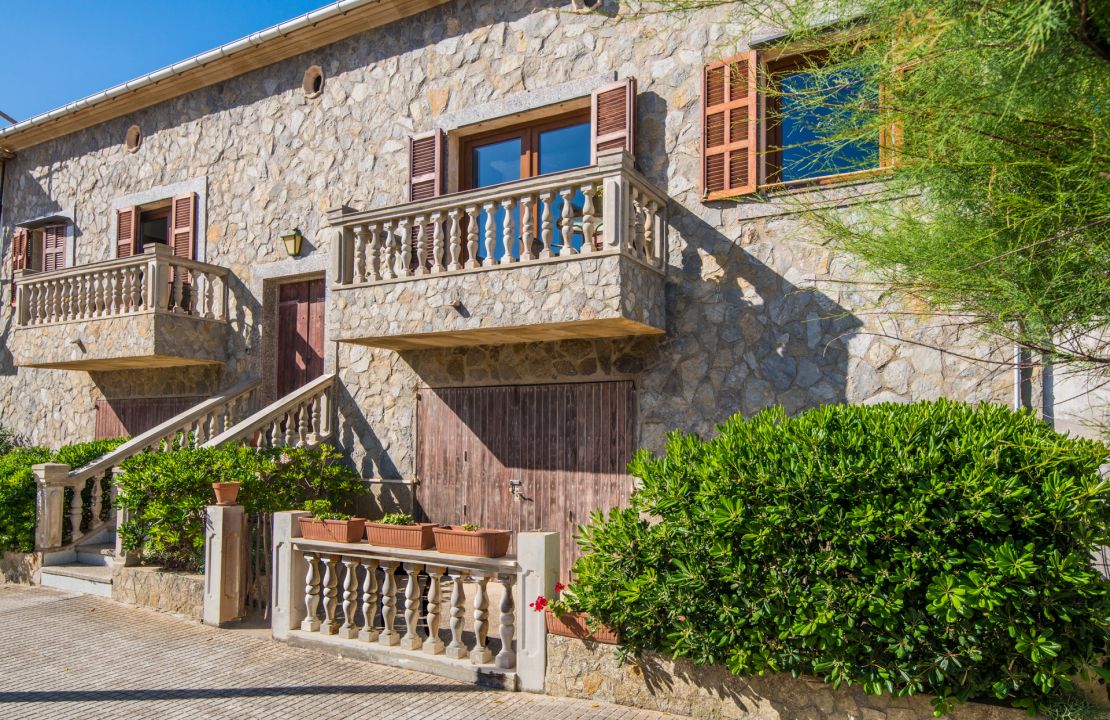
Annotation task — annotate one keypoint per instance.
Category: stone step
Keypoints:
(76, 577)
(101, 554)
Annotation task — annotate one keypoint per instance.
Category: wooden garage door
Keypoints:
(128, 417)
(569, 445)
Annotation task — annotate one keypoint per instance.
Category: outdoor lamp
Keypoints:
(292, 240)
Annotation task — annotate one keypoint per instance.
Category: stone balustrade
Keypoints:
(300, 419)
(580, 253)
(462, 617)
(154, 281)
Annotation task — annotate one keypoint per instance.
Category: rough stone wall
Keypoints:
(591, 671)
(756, 311)
(153, 587)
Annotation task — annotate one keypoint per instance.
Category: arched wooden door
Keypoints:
(568, 446)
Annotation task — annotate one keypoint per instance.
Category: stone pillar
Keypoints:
(289, 568)
(538, 556)
(50, 495)
(225, 550)
(614, 199)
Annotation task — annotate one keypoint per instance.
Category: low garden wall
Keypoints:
(165, 590)
(590, 671)
(17, 567)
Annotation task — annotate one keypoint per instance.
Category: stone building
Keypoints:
(658, 274)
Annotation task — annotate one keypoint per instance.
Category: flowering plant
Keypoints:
(558, 606)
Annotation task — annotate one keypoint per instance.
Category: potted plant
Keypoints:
(563, 621)
(399, 530)
(226, 492)
(469, 539)
(331, 526)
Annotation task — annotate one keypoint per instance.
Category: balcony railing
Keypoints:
(154, 281)
(528, 221)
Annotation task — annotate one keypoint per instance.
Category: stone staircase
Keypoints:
(89, 573)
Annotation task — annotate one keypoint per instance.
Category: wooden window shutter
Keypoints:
(127, 232)
(613, 118)
(426, 165)
(20, 242)
(729, 151)
(183, 215)
(54, 247)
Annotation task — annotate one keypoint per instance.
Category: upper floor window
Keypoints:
(170, 221)
(549, 146)
(780, 122)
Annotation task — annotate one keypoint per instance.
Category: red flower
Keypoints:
(682, 618)
(559, 587)
(538, 604)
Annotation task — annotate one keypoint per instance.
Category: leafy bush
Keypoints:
(321, 510)
(166, 493)
(934, 547)
(397, 519)
(10, 440)
(17, 487)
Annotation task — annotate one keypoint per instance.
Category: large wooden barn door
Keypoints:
(300, 335)
(568, 446)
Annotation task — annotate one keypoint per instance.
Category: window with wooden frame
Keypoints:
(42, 248)
(765, 119)
(170, 221)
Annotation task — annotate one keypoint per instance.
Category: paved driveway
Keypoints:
(74, 656)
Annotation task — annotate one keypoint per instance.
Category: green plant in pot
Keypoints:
(472, 539)
(326, 524)
(400, 530)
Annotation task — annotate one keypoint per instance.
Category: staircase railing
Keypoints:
(59, 527)
(300, 419)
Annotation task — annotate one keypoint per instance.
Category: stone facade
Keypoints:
(163, 590)
(756, 307)
(591, 671)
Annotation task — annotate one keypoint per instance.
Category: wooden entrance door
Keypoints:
(568, 445)
(300, 346)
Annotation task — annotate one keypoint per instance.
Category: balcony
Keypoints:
(150, 310)
(440, 273)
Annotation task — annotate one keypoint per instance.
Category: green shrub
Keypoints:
(10, 440)
(17, 487)
(166, 493)
(321, 510)
(397, 519)
(934, 547)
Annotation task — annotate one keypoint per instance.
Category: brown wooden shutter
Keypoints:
(729, 125)
(613, 118)
(425, 181)
(183, 214)
(426, 165)
(127, 232)
(53, 247)
(20, 241)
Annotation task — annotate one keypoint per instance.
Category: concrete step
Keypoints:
(76, 577)
(101, 554)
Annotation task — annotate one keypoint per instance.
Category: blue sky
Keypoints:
(57, 51)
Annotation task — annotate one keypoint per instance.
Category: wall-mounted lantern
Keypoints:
(292, 240)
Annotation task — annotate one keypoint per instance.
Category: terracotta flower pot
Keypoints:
(226, 492)
(344, 531)
(573, 625)
(408, 537)
(453, 540)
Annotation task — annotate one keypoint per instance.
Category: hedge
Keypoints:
(926, 548)
(165, 493)
(17, 487)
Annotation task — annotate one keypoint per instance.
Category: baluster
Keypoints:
(369, 632)
(508, 237)
(526, 229)
(546, 225)
(114, 292)
(652, 252)
(137, 288)
(268, 435)
(421, 247)
(88, 307)
(209, 296)
(588, 217)
(49, 285)
(406, 247)
(454, 241)
(437, 242)
(125, 290)
(412, 639)
(375, 253)
(349, 629)
(75, 508)
(63, 299)
(566, 223)
(472, 236)
(633, 221)
(506, 658)
(456, 649)
(389, 635)
(360, 254)
(97, 501)
(94, 295)
(481, 654)
(303, 424)
(433, 645)
(177, 298)
(290, 428)
(311, 623)
(331, 622)
(489, 241)
(314, 407)
(638, 244)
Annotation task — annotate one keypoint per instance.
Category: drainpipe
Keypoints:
(1023, 379)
